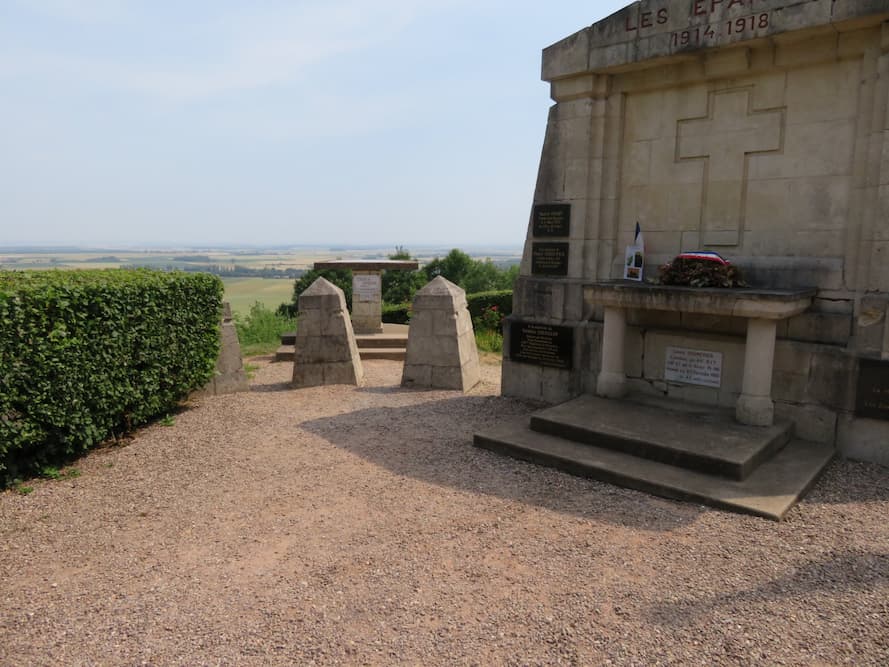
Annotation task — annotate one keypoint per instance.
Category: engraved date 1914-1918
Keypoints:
(712, 33)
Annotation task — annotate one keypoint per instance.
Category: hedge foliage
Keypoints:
(481, 301)
(397, 313)
(477, 304)
(85, 354)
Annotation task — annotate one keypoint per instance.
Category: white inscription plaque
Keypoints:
(702, 367)
(366, 287)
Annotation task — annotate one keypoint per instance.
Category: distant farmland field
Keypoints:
(244, 292)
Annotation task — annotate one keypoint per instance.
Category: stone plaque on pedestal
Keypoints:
(872, 396)
(549, 259)
(551, 220)
(541, 344)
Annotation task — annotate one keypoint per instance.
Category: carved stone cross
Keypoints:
(724, 139)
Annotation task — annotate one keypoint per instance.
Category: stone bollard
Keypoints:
(441, 350)
(229, 377)
(326, 352)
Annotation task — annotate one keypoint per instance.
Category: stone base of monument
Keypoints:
(677, 450)
(391, 344)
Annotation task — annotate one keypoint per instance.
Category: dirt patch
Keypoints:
(344, 525)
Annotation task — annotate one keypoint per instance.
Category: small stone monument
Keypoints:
(229, 377)
(326, 352)
(441, 351)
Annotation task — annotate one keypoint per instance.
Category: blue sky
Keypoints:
(274, 122)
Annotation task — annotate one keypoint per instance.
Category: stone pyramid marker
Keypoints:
(229, 377)
(441, 351)
(326, 352)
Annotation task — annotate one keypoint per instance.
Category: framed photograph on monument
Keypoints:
(634, 257)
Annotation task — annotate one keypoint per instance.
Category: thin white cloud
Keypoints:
(238, 50)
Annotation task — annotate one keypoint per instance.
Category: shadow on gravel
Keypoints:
(432, 442)
(272, 387)
(832, 574)
(847, 481)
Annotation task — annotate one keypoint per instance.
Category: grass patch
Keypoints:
(489, 341)
(260, 331)
(243, 293)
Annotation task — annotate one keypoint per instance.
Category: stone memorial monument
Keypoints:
(755, 128)
(229, 376)
(441, 349)
(325, 351)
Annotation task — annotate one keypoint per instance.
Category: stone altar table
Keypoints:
(762, 309)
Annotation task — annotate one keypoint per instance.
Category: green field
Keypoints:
(244, 292)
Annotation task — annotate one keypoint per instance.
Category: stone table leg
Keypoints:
(755, 406)
(612, 380)
(367, 302)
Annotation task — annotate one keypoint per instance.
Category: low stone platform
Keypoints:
(670, 449)
(391, 344)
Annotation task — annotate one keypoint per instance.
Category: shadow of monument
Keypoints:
(832, 573)
(432, 442)
(846, 481)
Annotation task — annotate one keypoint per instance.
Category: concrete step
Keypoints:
(393, 335)
(287, 353)
(769, 491)
(381, 340)
(699, 437)
(394, 353)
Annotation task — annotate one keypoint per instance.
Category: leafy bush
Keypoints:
(491, 319)
(479, 303)
(473, 275)
(397, 313)
(399, 285)
(342, 278)
(84, 354)
(260, 331)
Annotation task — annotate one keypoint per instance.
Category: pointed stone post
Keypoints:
(441, 350)
(326, 352)
(229, 376)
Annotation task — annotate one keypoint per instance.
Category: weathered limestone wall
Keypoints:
(757, 129)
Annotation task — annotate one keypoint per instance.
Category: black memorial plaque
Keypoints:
(872, 396)
(551, 220)
(549, 259)
(541, 344)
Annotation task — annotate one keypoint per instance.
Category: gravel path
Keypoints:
(339, 525)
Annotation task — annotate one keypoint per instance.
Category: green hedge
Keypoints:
(84, 354)
(397, 313)
(478, 302)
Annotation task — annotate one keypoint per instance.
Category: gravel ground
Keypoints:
(342, 525)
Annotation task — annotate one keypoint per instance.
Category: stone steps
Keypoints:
(675, 450)
(696, 437)
(391, 344)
